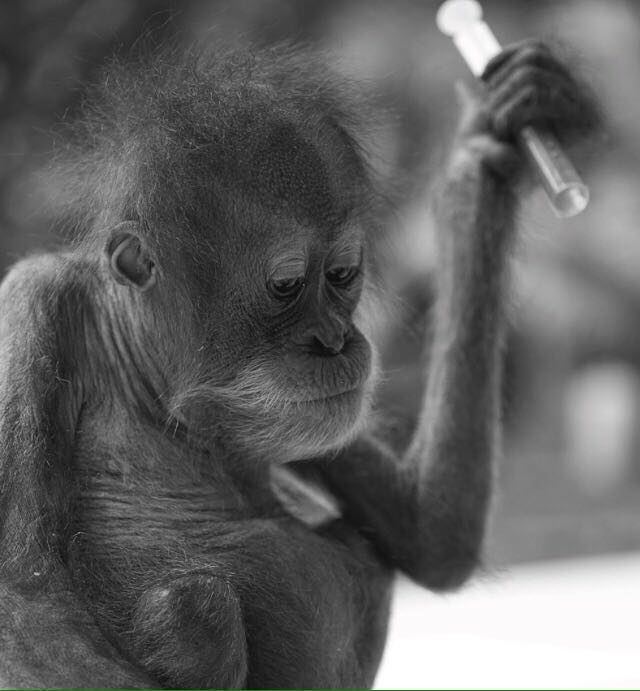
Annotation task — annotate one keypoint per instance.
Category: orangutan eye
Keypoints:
(286, 288)
(342, 275)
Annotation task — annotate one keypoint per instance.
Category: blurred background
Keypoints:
(569, 484)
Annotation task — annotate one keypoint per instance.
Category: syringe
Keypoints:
(462, 20)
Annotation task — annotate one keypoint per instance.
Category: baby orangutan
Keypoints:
(206, 328)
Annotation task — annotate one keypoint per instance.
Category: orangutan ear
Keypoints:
(130, 260)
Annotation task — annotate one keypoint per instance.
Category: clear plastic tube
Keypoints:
(566, 191)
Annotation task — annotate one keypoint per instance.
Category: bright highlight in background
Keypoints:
(559, 625)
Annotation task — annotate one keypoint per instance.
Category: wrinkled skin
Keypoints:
(205, 331)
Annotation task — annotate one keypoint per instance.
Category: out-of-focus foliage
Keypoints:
(570, 481)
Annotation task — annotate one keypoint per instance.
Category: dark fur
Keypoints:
(138, 428)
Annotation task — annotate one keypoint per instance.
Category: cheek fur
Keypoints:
(268, 417)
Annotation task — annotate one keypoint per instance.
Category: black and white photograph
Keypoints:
(319, 344)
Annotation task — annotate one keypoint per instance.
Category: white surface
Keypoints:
(571, 624)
